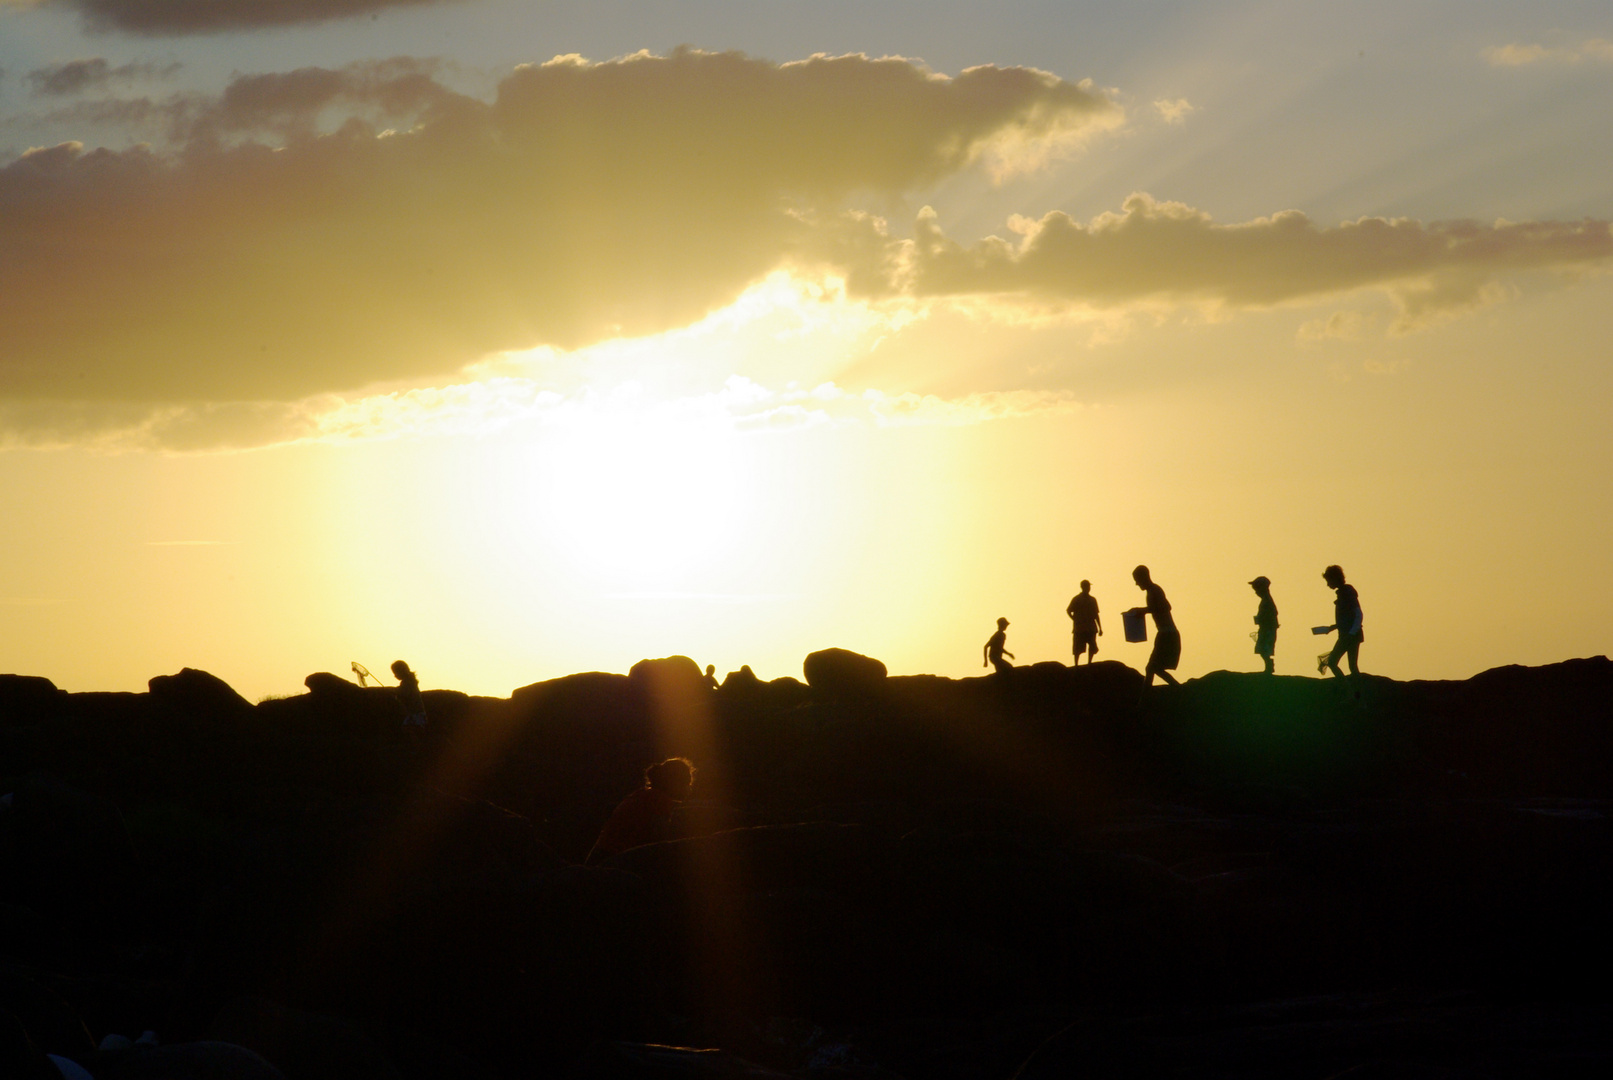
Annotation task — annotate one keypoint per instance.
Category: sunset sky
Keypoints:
(515, 338)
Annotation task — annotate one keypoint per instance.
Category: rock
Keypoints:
(185, 1061)
(671, 684)
(20, 1058)
(51, 1023)
(26, 698)
(840, 674)
(325, 684)
(646, 1061)
(71, 851)
(742, 683)
(307, 1046)
(198, 693)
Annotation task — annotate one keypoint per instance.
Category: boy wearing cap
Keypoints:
(1265, 622)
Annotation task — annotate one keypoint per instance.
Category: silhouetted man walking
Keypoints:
(1346, 620)
(1167, 640)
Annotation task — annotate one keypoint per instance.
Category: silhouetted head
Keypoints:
(401, 672)
(1261, 584)
(673, 777)
(1140, 576)
(711, 669)
(1086, 586)
(1002, 624)
(1334, 576)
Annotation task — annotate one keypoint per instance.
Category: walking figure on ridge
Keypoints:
(1346, 620)
(1265, 622)
(1086, 625)
(994, 651)
(1167, 639)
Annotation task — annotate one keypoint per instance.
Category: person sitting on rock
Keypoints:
(409, 699)
(645, 816)
(994, 651)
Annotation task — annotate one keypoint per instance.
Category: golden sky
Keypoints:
(515, 339)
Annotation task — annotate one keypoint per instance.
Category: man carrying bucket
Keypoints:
(1167, 639)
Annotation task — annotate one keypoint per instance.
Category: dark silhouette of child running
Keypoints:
(644, 816)
(1167, 639)
(994, 651)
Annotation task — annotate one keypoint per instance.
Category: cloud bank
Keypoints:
(210, 16)
(1592, 50)
(316, 232)
(320, 230)
(1155, 252)
(78, 76)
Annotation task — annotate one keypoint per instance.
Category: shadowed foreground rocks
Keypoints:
(1046, 874)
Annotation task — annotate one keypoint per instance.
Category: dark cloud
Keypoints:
(292, 244)
(208, 16)
(77, 76)
(1167, 252)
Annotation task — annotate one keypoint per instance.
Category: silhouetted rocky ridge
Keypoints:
(1048, 873)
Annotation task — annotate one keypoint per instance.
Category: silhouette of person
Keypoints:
(1346, 620)
(1167, 639)
(1088, 627)
(711, 677)
(994, 651)
(1265, 622)
(644, 816)
(409, 699)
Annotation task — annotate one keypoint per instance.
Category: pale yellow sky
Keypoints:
(526, 372)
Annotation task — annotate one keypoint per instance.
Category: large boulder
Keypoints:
(185, 1061)
(26, 698)
(677, 699)
(840, 674)
(20, 1057)
(670, 680)
(198, 693)
(70, 851)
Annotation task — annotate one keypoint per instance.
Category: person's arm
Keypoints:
(1008, 654)
(1070, 611)
(985, 651)
(1099, 620)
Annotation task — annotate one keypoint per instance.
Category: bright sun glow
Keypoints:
(642, 494)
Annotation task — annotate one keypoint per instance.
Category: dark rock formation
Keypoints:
(877, 876)
(841, 675)
(198, 693)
